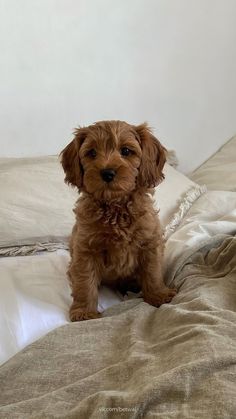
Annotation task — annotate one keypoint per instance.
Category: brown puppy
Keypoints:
(117, 235)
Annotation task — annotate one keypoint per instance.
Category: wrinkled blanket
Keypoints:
(178, 361)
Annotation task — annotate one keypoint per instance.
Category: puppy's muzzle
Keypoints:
(108, 175)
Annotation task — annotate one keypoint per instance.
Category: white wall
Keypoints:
(70, 62)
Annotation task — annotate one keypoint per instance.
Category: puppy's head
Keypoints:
(112, 158)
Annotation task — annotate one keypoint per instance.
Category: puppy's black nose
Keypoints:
(108, 175)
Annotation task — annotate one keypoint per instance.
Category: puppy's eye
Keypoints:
(91, 153)
(125, 151)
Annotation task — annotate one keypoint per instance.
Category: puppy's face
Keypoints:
(111, 159)
(110, 156)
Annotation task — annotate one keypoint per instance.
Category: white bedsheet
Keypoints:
(213, 214)
(34, 292)
(35, 298)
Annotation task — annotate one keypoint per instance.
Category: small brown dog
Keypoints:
(117, 236)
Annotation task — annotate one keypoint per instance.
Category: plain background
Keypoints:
(65, 63)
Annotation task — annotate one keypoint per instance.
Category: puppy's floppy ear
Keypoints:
(70, 159)
(153, 158)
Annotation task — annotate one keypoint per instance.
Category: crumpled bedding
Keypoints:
(213, 214)
(178, 361)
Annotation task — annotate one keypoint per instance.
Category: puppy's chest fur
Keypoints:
(117, 237)
(114, 233)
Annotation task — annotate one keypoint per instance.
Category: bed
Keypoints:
(178, 361)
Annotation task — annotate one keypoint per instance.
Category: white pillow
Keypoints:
(36, 205)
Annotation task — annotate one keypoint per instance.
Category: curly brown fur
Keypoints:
(117, 236)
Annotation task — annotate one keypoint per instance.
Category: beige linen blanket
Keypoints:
(178, 361)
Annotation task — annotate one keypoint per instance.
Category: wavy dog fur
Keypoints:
(117, 236)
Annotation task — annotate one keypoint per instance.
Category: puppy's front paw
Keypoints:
(161, 297)
(78, 314)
